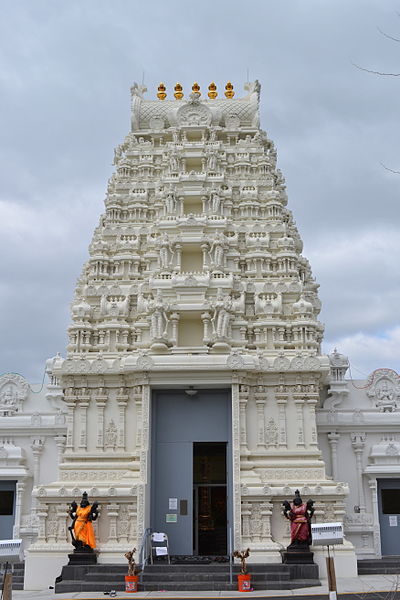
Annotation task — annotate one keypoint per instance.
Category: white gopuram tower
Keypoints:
(195, 281)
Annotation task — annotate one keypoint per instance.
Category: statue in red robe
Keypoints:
(299, 514)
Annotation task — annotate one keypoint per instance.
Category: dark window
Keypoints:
(390, 502)
(6, 502)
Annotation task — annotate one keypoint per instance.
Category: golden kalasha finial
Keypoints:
(229, 93)
(196, 88)
(212, 91)
(178, 91)
(161, 94)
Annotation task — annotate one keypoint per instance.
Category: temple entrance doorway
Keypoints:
(389, 515)
(191, 499)
(209, 499)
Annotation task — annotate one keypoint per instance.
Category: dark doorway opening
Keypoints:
(209, 498)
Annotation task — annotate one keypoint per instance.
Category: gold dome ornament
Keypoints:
(196, 89)
(229, 93)
(178, 91)
(212, 91)
(162, 92)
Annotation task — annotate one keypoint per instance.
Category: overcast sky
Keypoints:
(65, 73)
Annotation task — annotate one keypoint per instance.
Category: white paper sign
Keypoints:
(161, 551)
(157, 537)
(173, 504)
(393, 520)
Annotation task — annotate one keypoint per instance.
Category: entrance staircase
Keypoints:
(379, 566)
(185, 577)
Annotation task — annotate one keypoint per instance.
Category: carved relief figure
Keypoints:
(173, 161)
(222, 315)
(216, 251)
(159, 320)
(110, 438)
(82, 534)
(170, 203)
(166, 252)
(8, 401)
(215, 203)
(212, 161)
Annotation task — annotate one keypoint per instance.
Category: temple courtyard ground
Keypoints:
(368, 587)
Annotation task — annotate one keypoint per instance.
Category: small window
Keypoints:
(6, 502)
(390, 501)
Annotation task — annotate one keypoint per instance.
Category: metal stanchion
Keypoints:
(330, 569)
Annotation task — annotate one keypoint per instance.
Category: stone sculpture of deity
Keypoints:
(222, 315)
(81, 529)
(299, 514)
(166, 252)
(217, 251)
(158, 317)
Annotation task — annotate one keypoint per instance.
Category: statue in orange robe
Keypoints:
(82, 533)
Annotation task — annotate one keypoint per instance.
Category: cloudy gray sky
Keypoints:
(65, 73)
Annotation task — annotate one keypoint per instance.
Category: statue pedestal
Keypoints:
(297, 557)
(82, 558)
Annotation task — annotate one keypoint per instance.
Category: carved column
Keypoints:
(83, 400)
(37, 446)
(260, 405)
(60, 443)
(281, 400)
(358, 443)
(312, 402)
(206, 318)
(236, 463)
(333, 438)
(41, 513)
(62, 523)
(112, 511)
(243, 399)
(70, 400)
(122, 401)
(20, 487)
(132, 534)
(373, 485)
(137, 398)
(178, 248)
(174, 318)
(101, 401)
(246, 513)
(299, 404)
(204, 248)
(266, 513)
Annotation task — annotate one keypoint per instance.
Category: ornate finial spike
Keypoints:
(229, 93)
(196, 88)
(212, 91)
(178, 91)
(161, 94)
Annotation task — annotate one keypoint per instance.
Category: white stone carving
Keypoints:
(13, 391)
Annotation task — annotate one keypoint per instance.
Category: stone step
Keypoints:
(218, 577)
(104, 577)
(389, 565)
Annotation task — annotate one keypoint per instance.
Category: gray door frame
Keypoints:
(390, 534)
(206, 433)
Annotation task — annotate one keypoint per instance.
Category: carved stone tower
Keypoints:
(195, 281)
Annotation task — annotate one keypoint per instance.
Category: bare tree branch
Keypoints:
(375, 72)
(386, 35)
(391, 170)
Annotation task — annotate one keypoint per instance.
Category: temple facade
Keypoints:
(194, 398)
